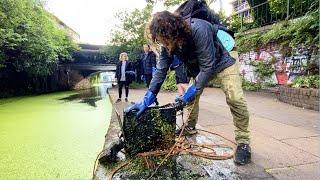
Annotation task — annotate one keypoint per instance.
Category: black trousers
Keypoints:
(126, 86)
(148, 79)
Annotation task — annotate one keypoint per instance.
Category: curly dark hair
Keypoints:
(169, 29)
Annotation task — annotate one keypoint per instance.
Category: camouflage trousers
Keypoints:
(231, 84)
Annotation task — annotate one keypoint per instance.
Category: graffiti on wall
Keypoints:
(287, 68)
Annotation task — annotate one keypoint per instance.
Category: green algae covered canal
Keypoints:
(52, 136)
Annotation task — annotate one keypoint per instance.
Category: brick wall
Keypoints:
(300, 97)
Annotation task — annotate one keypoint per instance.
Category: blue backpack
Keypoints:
(199, 9)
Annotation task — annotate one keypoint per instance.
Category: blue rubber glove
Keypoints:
(188, 96)
(154, 70)
(175, 63)
(148, 99)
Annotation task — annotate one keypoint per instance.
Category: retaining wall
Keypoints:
(300, 97)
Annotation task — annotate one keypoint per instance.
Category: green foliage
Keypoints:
(296, 7)
(112, 52)
(307, 82)
(170, 82)
(129, 36)
(30, 39)
(260, 13)
(170, 3)
(269, 84)
(289, 33)
(153, 129)
(250, 86)
(248, 42)
(278, 6)
(263, 69)
(235, 23)
(265, 12)
(136, 85)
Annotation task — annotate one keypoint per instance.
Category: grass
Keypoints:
(135, 85)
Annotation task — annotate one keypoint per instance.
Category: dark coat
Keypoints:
(203, 56)
(148, 63)
(138, 68)
(129, 68)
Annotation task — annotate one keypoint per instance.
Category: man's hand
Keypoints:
(148, 99)
(138, 107)
(188, 96)
(178, 105)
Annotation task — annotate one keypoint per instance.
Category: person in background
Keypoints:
(124, 73)
(148, 64)
(182, 79)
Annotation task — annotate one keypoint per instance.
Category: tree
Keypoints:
(112, 52)
(31, 46)
(129, 36)
(169, 3)
(235, 23)
(296, 7)
(30, 39)
(269, 11)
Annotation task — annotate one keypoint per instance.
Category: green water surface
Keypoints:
(53, 136)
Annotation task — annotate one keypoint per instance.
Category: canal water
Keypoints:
(53, 136)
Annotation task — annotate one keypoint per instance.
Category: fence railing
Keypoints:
(267, 13)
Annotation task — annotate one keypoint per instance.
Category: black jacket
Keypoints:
(203, 56)
(148, 63)
(129, 67)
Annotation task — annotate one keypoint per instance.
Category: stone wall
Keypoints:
(300, 97)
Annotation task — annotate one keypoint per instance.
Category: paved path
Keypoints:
(285, 140)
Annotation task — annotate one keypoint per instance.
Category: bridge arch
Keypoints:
(88, 62)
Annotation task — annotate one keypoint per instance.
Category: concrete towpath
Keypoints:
(285, 140)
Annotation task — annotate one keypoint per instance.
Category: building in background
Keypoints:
(72, 33)
(242, 9)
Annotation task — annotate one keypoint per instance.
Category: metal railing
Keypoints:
(267, 13)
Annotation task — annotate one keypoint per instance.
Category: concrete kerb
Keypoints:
(111, 138)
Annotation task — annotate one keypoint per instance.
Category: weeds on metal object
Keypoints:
(148, 163)
(152, 130)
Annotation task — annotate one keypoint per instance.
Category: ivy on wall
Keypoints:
(288, 34)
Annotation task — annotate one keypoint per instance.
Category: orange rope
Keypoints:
(118, 168)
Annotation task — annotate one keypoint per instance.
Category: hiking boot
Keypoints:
(188, 131)
(118, 100)
(126, 99)
(243, 154)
